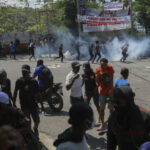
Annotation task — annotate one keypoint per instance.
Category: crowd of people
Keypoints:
(128, 125)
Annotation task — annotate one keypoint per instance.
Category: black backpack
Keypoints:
(47, 77)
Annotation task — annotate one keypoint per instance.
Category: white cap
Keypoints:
(4, 98)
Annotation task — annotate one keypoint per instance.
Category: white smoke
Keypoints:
(138, 48)
(112, 50)
(42, 50)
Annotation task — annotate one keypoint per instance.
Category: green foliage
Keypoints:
(93, 5)
(16, 19)
(143, 13)
(66, 13)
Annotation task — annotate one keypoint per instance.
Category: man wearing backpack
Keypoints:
(45, 77)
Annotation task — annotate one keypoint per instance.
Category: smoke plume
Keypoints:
(138, 48)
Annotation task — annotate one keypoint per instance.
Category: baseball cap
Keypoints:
(4, 98)
(75, 64)
(86, 65)
(26, 68)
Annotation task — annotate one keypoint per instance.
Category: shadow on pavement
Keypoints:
(96, 143)
(46, 142)
(127, 62)
(50, 112)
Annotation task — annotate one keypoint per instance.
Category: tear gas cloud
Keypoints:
(111, 49)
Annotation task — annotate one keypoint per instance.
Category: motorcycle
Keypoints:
(54, 97)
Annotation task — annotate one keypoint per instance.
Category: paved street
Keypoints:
(54, 123)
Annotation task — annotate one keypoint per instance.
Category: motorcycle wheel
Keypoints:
(55, 102)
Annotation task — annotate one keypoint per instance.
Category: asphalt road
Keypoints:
(54, 123)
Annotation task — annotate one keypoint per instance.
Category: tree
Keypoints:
(14, 19)
(143, 13)
(67, 13)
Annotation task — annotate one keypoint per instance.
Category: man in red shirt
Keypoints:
(104, 77)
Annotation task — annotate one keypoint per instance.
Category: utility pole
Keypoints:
(78, 13)
(36, 17)
(47, 19)
(131, 15)
(79, 29)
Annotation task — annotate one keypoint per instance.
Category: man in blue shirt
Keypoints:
(45, 81)
(122, 81)
(38, 73)
(12, 50)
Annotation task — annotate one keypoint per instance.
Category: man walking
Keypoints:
(74, 83)
(104, 77)
(28, 90)
(91, 88)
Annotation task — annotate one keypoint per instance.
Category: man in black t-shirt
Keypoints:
(28, 90)
(91, 48)
(91, 89)
(60, 53)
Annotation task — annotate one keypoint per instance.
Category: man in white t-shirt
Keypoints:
(73, 138)
(74, 83)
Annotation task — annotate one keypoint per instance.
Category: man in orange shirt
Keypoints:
(104, 77)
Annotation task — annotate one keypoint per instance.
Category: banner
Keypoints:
(94, 19)
(105, 27)
(113, 6)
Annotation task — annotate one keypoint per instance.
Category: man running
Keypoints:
(60, 53)
(97, 52)
(91, 49)
(32, 48)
